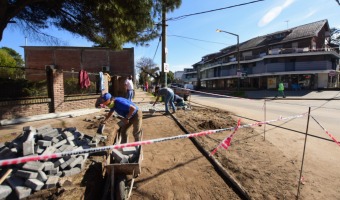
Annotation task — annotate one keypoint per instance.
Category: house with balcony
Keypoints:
(301, 57)
(190, 75)
(178, 75)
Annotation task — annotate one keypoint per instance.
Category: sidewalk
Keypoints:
(143, 97)
(301, 94)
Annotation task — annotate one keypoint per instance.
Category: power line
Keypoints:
(197, 39)
(338, 1)
(237, 5)
(160, 39)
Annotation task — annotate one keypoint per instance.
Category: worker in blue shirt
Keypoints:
(179, 101)
(168, 93)
(127, 109)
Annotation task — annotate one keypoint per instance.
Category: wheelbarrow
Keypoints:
(121, 176)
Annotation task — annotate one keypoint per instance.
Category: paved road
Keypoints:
(322, 156)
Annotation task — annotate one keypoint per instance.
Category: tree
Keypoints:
(148, 68)
(106, 23)
(17, 57)
(11, 63)
(7, 64)
(335, 36)
(170, 77)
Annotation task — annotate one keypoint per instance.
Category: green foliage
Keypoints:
(11, 72)
(11, 88)
(7, 65)
(10, 63)
(71, 87)
(170, 77)
(6, 59)
(106, 23)
(17, 57)
(147, 69)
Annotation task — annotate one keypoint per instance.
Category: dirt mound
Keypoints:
(208, 125)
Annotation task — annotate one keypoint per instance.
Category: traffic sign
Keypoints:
(166, 67)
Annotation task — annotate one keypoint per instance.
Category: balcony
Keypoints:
(274, 52)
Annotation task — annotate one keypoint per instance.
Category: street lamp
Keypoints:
(238, 56)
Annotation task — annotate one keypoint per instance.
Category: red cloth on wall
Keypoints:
(84, 80)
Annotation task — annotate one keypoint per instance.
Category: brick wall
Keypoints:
(25, 108)
(59, 102)
(17, 111)
(121, 65)
(120, 62)
(68, 59)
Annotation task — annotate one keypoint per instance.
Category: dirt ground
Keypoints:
(176, 169)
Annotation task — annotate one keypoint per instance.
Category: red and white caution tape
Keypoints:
(227, 141)
(132, 144)
(328, 133)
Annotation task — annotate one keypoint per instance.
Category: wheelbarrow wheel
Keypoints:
(121, 188)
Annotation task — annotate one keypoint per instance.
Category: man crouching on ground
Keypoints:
(127, 109)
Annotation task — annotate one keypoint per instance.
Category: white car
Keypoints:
(188, 86)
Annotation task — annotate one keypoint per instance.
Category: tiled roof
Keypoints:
(307, 30)
(299, 32)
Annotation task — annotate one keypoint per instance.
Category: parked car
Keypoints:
(180, 91)
(188, 86)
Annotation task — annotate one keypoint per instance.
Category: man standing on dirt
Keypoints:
(129, 87)
(168, 93)
(127, 109)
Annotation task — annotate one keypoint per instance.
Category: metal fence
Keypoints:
(14, 83)
(73, 87)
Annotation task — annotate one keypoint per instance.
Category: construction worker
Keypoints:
(168, 93)
(280, 90)
(127, 109)
(179, 101)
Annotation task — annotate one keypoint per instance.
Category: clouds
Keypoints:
(273, 13)
(309, 14)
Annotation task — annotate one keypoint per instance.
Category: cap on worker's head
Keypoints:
(106, 96)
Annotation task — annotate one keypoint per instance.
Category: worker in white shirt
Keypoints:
(129, 88)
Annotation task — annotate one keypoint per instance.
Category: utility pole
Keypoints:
(164, 49)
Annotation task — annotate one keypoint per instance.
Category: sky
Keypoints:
(192, 37)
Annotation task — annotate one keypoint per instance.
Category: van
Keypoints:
(188, 86)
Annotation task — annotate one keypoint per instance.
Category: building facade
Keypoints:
(190, 75)
(301, 57)
(119, 64)
(91, 59)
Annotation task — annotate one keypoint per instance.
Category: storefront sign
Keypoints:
(271, 82)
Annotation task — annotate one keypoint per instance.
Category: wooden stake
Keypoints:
(9, 171)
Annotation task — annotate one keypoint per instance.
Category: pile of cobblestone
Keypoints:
(37, 175)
